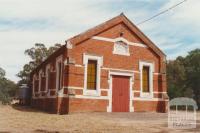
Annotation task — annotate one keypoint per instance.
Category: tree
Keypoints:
(192, 66)
(175, 77)
(38, 54)
(183, 76)
(7, 88)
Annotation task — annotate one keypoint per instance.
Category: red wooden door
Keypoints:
(120, 93)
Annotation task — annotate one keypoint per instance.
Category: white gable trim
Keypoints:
(69, 45)
(119, 39)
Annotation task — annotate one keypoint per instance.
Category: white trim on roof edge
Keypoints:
(69, 45)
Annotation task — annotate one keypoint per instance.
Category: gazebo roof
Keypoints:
(183, 101)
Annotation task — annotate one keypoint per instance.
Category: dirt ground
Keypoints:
(25, 119)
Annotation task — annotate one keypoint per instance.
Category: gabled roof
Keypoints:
(110, 23)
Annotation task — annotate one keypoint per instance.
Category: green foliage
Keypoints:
(192, 66)
(7, 88)
(183, 75)
(175, 77)
(38, 54)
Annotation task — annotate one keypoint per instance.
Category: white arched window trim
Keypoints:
(48, 67)
(33, 82)
(59, 60)
(40, 80)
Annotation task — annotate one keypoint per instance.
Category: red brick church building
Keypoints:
(112, 67)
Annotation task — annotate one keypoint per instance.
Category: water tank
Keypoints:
(24, 94)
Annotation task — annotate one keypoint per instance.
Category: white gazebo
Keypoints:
(182, 118)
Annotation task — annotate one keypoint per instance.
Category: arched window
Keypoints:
(35, 85)
(48, 72)
(59, 72)
(40, 80)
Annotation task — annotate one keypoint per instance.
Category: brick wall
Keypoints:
(45, 104)
(150, 106)
(87, 105)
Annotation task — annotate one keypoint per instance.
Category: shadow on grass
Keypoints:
(25, 108)
(45, 131)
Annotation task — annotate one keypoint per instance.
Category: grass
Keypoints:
(25, 119)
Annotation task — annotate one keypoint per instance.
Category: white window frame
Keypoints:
(48, 67)
(40, 80)
(59, 60)
(99, 60)
(116, 43)
(151, 70)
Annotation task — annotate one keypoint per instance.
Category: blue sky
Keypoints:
(26, 22)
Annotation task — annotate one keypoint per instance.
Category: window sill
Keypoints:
(91, 93)
(146, 95)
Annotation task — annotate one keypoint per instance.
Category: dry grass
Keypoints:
(23, 119)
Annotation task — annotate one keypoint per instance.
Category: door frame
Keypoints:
(120, 73)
